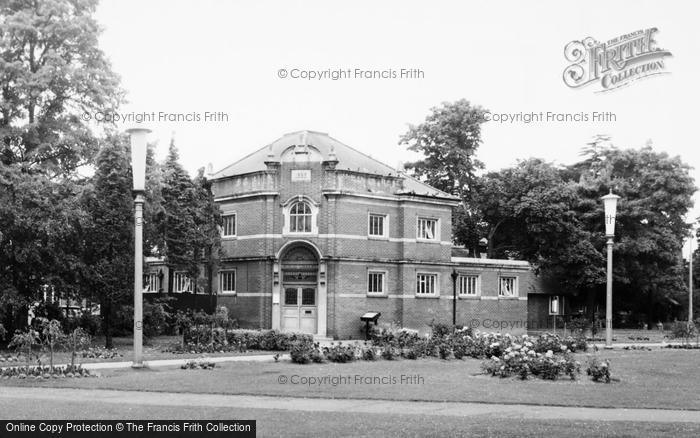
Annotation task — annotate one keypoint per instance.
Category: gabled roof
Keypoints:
(348, 159)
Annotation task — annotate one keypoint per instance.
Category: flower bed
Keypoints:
(45, 372)
(198, 364)
(684, 346)
(467, 343)
(205, 339)
(547, 356)
(101, 353)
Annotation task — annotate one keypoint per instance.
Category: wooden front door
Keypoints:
(299, 310)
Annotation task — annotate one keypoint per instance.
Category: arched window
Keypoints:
(300, 218)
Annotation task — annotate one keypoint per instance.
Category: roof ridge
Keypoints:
(428, 185)
(241, 159)
(363, 154)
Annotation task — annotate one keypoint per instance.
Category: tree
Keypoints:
(656, 193)
(40, 222)
(530, 212)
(177, 224)
(448, 139)
(553, 217)
(52, 72)
(53, 337)
(187, 221)
(108, 250)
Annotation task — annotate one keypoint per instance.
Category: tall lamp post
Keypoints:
(610, 204)
(690, 275)
(138, 167)
(454, 276)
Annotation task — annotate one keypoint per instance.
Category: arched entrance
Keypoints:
(299, 289)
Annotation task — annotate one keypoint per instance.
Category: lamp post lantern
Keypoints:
(610, 205)
(138, 168)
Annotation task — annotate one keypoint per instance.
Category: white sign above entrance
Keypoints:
(301, 175)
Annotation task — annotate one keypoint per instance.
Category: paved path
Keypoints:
(449, 409)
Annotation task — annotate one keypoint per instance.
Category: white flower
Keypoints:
(549, 353)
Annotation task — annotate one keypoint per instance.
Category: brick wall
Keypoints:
(344, 199)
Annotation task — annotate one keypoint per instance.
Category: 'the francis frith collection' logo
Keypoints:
(616, 62)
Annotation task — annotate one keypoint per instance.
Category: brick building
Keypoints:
(316, 233)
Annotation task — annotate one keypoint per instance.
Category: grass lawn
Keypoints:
(648, 379)
(282, 423)
(152, 350)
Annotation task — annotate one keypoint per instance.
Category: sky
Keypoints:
(189, 58)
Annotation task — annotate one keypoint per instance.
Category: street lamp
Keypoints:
(138, 168)
(690, 275)
(610, 204)
(454, 276)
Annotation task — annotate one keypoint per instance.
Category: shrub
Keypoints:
(3, 332)
(444, 349)
(598, 370)
(203, 338)
(157, 318)
(368, 352)
(440, 330)
(683, 330)
(101, 353)
(391, 335)
(77, 340)
(523, 361)
(88, 322)
(389, 352)
(198, 364)
(24, 342)
(53, 336)
(339, 353)
(580, 325)
(302, 351)
(459, 347)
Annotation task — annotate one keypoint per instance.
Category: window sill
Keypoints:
(433, 296)
(376, 295)
(468, 297)
(377, 237)
(433, 241)
(508, 298)
(229, 237)
(228, 294)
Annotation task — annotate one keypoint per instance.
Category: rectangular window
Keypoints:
(377, 225)
(426, 284)
(375, 282)
(182, 283)
(468, 285)
(228, 225)
(227, 282)
(508, 287)
(151, 283)
(427, 228)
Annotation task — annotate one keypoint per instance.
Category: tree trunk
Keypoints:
(106, 311)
